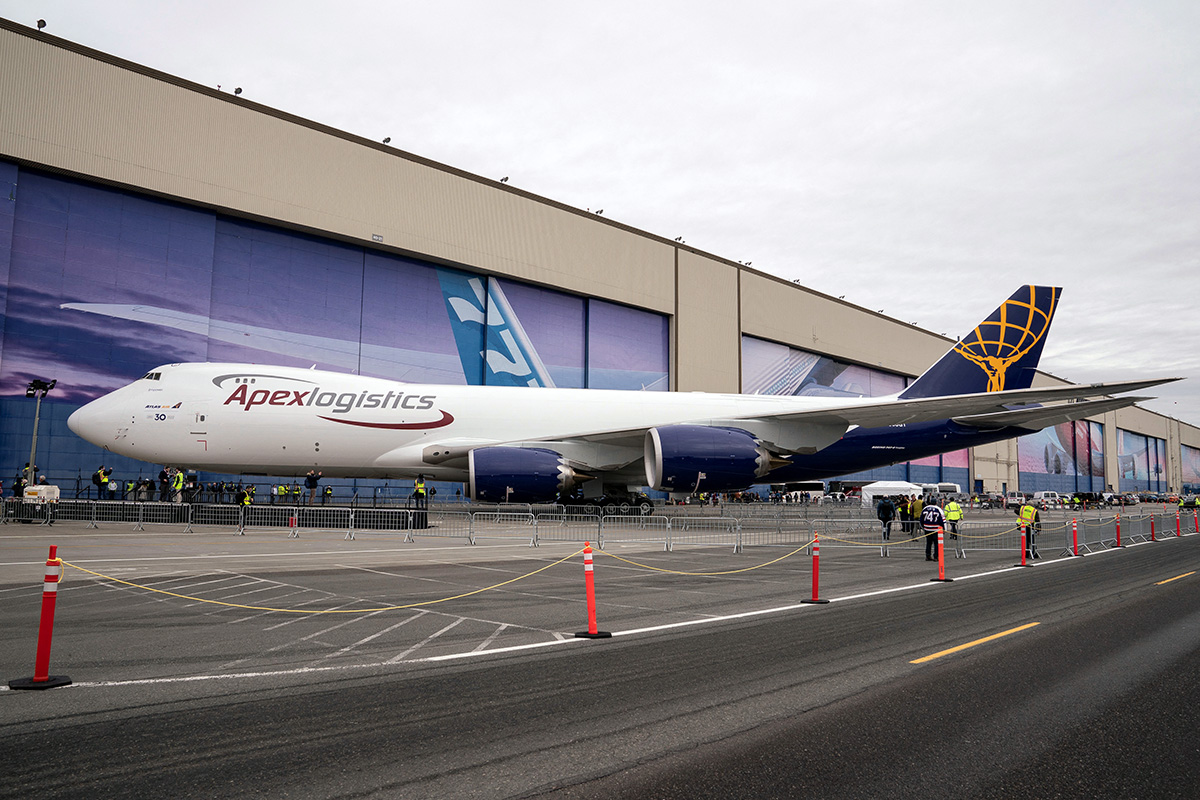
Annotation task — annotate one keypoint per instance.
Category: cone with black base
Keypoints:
(42, 679)
(941, 559)
(816, 573)
(589, 584)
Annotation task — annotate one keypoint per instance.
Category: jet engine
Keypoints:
(690, 458)
(519, 475)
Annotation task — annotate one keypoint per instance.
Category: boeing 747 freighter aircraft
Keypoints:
(532, 444)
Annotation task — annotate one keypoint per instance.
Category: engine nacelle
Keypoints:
(519, 475)
(677, 456)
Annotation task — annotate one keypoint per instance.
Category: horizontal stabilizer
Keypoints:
(889, 411)
(1043, 416)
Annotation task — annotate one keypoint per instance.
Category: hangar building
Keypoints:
(145, 219)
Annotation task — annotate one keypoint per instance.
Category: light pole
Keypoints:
(37, 388)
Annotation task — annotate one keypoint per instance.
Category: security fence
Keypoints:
(758, 525)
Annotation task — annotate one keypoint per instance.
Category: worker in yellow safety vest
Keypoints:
(177, 486)
(954, 515)
(1032, 522)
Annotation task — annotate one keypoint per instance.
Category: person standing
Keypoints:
(421, 518)
(1031, 521)
(954, 515)
(886, 512)
(933, 519)
(310, 482)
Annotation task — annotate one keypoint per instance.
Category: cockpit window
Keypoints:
(152, 376)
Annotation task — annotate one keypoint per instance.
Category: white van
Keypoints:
(1047, 498)
(1014, 500)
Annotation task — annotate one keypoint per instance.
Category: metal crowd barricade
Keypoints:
(1002, 533)
(504, 525)
(162, 514)
(450, 524)
(75, 511)
(704, 531)
(568, 527)
(17, 509)
(640, 529)
(849, 531)
(326, 518)
(780, 530)
(381, 520)
(115, 511)
(223, 515)
(255, 516)
(1095, 533)
(1138, 527)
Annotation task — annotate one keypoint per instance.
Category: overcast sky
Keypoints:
(919, 157)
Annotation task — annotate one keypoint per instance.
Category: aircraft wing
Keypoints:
(926, 409)
(811, 431)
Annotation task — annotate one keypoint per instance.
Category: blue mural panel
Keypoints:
(627, 348)
(1065, 458)
(1141, 462)
(408, 333)
(280, 297)
(99, 285)
(1190, 462)
(8, 205)
(551, 333)
(82, 276)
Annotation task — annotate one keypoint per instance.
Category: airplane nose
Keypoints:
(93, 422)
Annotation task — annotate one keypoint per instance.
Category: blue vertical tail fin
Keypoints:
(492, 344)
(1001, 353)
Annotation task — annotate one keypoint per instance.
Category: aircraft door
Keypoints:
(198, 423)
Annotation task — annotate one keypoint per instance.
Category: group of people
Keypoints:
(925, 514)
(931, 514)
(294, 493)
(23, 478)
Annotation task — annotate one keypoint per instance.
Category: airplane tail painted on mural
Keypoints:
(1001, 353)
(483, 321)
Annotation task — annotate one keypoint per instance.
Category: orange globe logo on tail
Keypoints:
(1008, 335)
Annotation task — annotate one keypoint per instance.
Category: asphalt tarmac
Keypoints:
(196, 672)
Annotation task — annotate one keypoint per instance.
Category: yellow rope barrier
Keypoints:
(708, 574)
(325, 611)
(878, 543)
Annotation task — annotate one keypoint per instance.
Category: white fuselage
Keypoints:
(270, 420)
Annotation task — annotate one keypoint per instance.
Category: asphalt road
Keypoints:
(1097, 699)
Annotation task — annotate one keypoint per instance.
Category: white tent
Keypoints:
(886, 489)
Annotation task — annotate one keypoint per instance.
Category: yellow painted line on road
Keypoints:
(974, 643)
(1177, 577)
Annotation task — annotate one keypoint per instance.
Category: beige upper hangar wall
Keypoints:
(708, 347)
(785, 312)
(124, 124)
